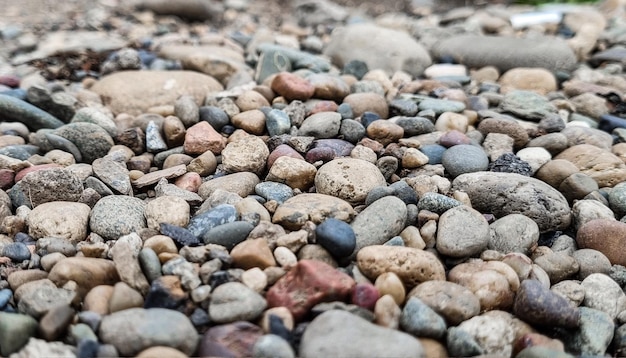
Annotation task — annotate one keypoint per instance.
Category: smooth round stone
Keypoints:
(420, 320)
(15, 331)
(455, 303)
(558, 265)
(571, 290)
(498, 276)
(351, 130)
(601, 165)
(295, 212)
(274, 191)
(167, 209)
(603, 294)
(292, 87)
(577, 186)
(282, 150)
(448, 121)
(92, 141)
(181, 236)
(538, 305)
(390, 284)
(380, 221)
(462, 232)
(493, 331)
(539, 80)
(555, 171)
(605, 235)
(554, 143)
(384, 131)
(60, 219)
(462, 159)
(250, 100)
(583, 211)
(367, 102)
(133, 330)
(402, 107)
(117, 215)
(16, 251)
(434, 152)
(348, 179)
(215, 116)
(252, 121)
(328, 86)
(513, 233)
(228, 234)
(404, 192)
(271, 345)
(336, 236)
(246, 155)
(617, 200)
(590, 262)
(437, 203)
(296, 173)
(454, 137)
(186, 109)
(14, 109)
(234, 301)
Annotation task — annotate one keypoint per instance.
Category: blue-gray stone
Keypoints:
(15, 331)
(464, 158)
(221, 214)
(271, 345)
(617, 200)
(402, 107)
(527, 105)
(20, 151)
(594, 335)
(270, 62)
(356, 68)
(159, 158)
(461, 344)
(297, 59)
(351, 130)
(395, 241)
(154, 141)
(336, 236)
(434, 152)
(229, 234)
(345, 110)
(277, 122)
(441, 105)
(58, 142)
(150, 264)
(415, 125)
(377, 193)
(97, 185)
(14, 109)
(5, 297)
(92, 140)
(404, 191)
(215, 116)
(274, 191)
(420, 320)
(18, 197)
(180, 235)
(437, 203)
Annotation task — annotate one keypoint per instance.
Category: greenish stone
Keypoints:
(14, 109)
(527, 105)
(15, 331)
(441, 105)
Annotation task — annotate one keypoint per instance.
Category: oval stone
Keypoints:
(349, 179)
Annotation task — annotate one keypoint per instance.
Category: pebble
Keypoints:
(604, 235)
(234, 301)
(117, 215)
(463, 159)
(201, 137)
(218, 340)
(602, 166)
(368, 228)
(537, 305)
(513, 233)
(296, 173)
(603, 294)
(328, 332)
(271, 345)
(121, 329)
(492, 332)
(242, 184)
(453, 302)
(36, 298)
(295, 212)
(91, 140)
(167, 209)
(590, 262)
(228, 234)
(390, 284)
(420, 320)
(336, 236)
(53, 184)
(593, 336)
(462, 232)
(17, 110)
(15, 331)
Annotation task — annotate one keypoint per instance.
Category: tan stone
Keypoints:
(296, 211)
(62, 219)
(296, 173)
(367, 102)
(349, 179)
(385, 131)
(160, 244)
(87, 272)
(241, 184)
(252, 121)
(252, 253)
(245, 155)
(555, 171)
(452, 301)
(202, 137)
(390, 284)
(124, 297)
(538, 80)
(18, 278)
(167, 209)
(250, 100)
(98, 298)
(601, 165)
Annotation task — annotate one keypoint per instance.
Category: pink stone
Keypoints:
(308, 283)
(365, 295)
(282, 150)
(34, 168)
(453, 137)
(10, 81)
(230, 340)
(292, 87)
(202, 137)
(189, 181)
(324, 106)
(7, 178)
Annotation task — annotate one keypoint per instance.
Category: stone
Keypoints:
(95, 116)
(522, 195)
(296, 211)
(87, 272)
(380, 221)
(390, 284)
(156, 176)
(617, 200)
(409, 55)
(15, 331)
(53, 184)
(14, 109)
(464, 158)
(505, 126)
(558, 265)
(413, 266)
(527, 105)
(59, 219)
(296, 173)
(124, 297)
(603, 294)
(125, 252)
(252, 121)
(167, 209)
(513, 233)
(246, 155)
(462, 232)
(204, 164)
(161, 351)
(234, 301)
(591, 262)
(584, 135)
(538, 305)
(308, 283)
(336, 236)
(117, 215)
(228, 234)
(328, 333)
(253, 253)
(241, 183)
(135, 329)
(594, 335)
(367, 102)
(321, 125)
(202, 137)
(384, 131)
(348, 179)
(292, 87)
(271, 345)
(602, 166)
(36, 298)
(54, 323)
(91, 140)
(501, 279)
(201, 223)
(505, 53)
(235, 339)
(604, 235)
(420, 320)
(536, 79)
(134, 92)
(113, 174)
(455, 303)
(492, 331)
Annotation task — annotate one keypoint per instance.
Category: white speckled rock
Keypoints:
(348, 178)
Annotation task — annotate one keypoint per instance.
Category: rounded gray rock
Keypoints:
(382, 220)
(604, 294)
(117, 215)
(464, 158)
(462, 232)
(54, 184)
(92, 141)
(234, 301)
(591, 261)
(271, 345)
(513, 233)
(421, 321)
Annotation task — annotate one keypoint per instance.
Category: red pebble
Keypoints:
(323, 106)
(34, 168)
(454, 137)
(6, 178)
(282, 150)
(292, 87)
(189, 181)
(365, 295)
(308, 283)
(10, 81)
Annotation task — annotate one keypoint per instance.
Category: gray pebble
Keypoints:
(154, 141)
(421, 321)
(150, 264)
(277, 122)
(234, 301)
(464, 158)
(351, 130)
(228, 234)
(16, 251)
(14, 109)
(437, 203)
(415, 125)
(271, 345)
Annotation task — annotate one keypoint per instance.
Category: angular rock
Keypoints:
(54, 184)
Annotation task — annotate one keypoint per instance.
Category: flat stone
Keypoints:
(242, 184)
(14, 109)
(155, 176)
(604, 167)
(234, 301)
(295, 212)
(380, 221)
(114, 174)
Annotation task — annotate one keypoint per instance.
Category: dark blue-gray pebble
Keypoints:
(87, 348)
(20, 151)
(274, 191)
(434, 152)
(229, 234)
(221, 214)
(16, 251)
(404, 191)
(415, 125)
(351, 130)
(150, 264)
(511, 163)
(368, 117)
(403, 107)
(181, 236)
(394, 241)
(97, 185)
(200, 317)
(90, 318)
(377, 193)
(219, 278)
(336, 236)
(277, 122)
(346, 111)
(437, 203)
(5, 297)
(161, 296)
(216, 117)
(357, 68)
(14, 109)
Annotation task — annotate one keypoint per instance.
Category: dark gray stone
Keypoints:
(538, 305)
(274, 191)
(228, 234)
(336, 236)
(16, 251)
(92, 141)
(14, 109)
(180, 235)
(219, 215)
(351, 130)
(464, 158)
(415, 125)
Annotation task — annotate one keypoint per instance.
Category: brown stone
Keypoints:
(54, 323)
(252, 121)
(538, 80)
(174, 131)
(18, 278)
(204, 164)
(241, 184)
(202, 137)
(329, 87)
(87, 272)
(297, 173)
(367, 102)
(605, 235)
(229, 340)
(384, 131)
(154, 177)
(253, 253)
(505, 126)
(455, 303)
(601, 165)
(296, 211)
(308, 283)
(555, 171)
(323, 106)
(97, 299)
(292, 87)
(250, 100)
